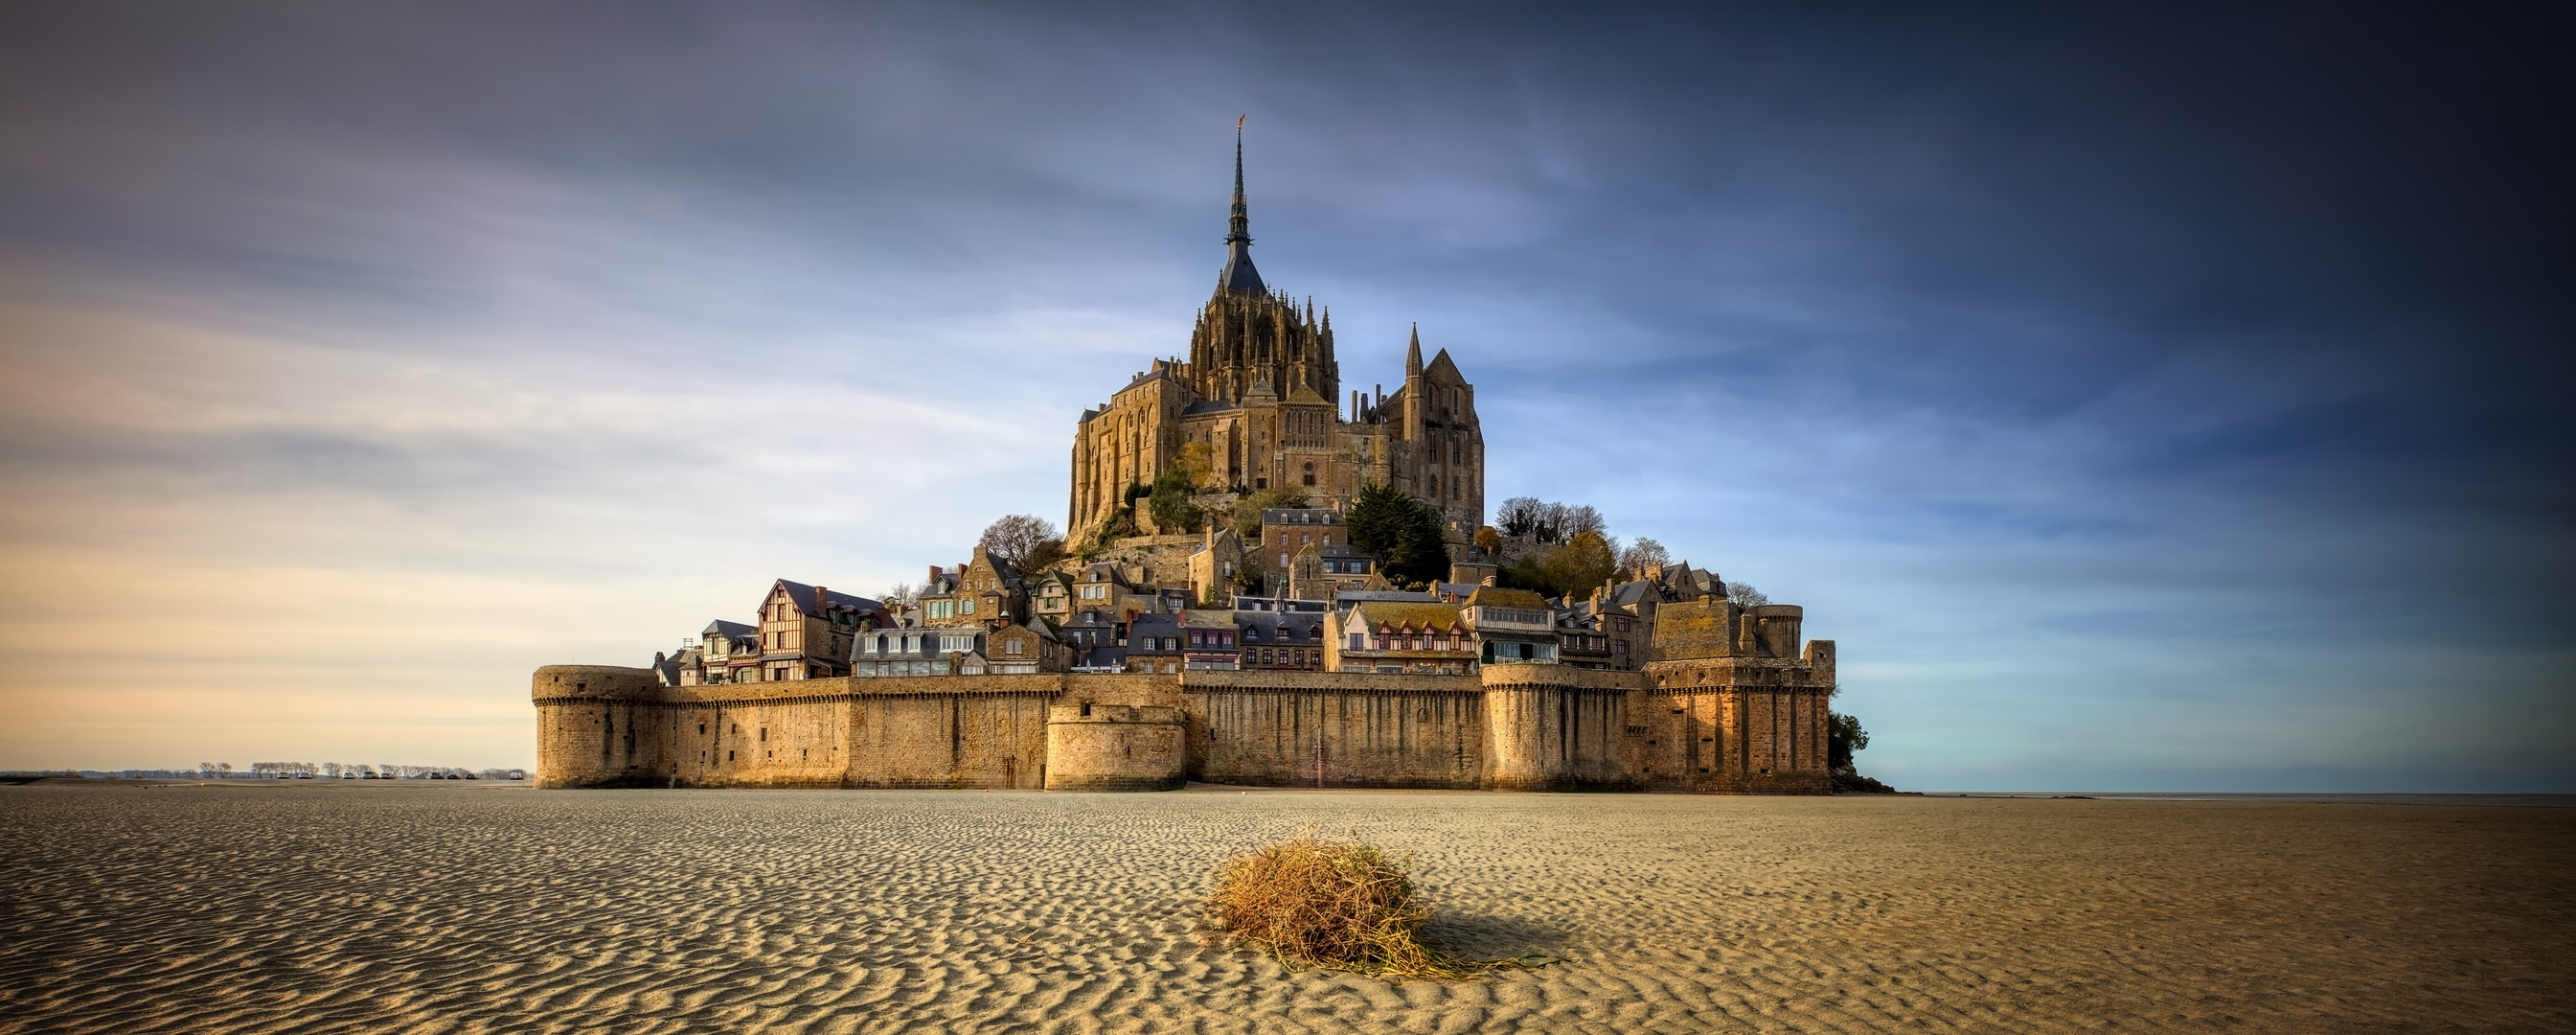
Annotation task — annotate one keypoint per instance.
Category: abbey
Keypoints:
(1261, 647)
(1258, 405)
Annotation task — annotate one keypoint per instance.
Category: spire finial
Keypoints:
(1239, 276)
(1241, 225)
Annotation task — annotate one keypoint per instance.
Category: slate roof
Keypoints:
(803, 595)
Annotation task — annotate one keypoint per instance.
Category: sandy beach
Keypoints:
(474, 908)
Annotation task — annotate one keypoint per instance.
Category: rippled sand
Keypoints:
(375, 908)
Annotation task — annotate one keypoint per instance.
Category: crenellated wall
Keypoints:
(1721, 710)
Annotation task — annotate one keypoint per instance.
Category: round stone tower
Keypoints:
(1116, 747)
(590, 725)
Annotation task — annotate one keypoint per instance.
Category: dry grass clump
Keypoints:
(1342, 906)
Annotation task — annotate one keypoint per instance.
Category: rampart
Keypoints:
(1725, 707)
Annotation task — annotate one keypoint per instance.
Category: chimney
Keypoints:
(822, 602)
(933, 580)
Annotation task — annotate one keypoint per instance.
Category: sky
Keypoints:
(2143, 399)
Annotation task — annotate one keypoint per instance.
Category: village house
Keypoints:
(1051, 594)
(1322, 572)
(1026, 648)
(1154, 643)
(1215, 567)
(1280, 634)
(726, 652)
(913, 650)
(805, 631)
(980, 592)
(1211, 642)
(1420, 637)
(1510, 626)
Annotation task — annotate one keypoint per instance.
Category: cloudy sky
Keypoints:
(2143, 403)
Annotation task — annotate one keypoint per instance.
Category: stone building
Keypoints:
(1257, 405)
(979, 592)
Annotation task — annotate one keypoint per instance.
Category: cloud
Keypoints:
(2138, 400)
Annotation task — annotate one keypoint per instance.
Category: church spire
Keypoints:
(1413, 355)
(1239, 274)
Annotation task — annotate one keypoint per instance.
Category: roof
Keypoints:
(1400, 614)
(1300, 516)
(1207, 406)
(720, 627)
(803, 595)
(1496, 596)
(1366, 595)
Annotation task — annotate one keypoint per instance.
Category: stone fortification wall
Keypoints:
(1335, 729)
(1730, 722)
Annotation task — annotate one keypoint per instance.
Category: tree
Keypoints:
(1011, 540)
(1843, 736)
(1643, 554)
(1173, 509)
(1520, 516)
(1402, 533)
(899, 593)
(1744, 595)
(1197, 463)
(1579, 518)
(1046, 554)
(1489, 541)
(1585, 561)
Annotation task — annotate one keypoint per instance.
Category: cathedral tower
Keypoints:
(1255, 408)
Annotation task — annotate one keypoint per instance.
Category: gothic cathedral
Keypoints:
(1257, 406)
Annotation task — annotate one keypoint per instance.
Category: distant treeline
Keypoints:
(279, 771)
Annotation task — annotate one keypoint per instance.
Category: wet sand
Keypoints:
(376, 908)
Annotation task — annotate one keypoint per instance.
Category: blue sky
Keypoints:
(2144, 400)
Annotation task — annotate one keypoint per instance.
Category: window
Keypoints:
(966, 606)
(1012, 647)
(1355, 642)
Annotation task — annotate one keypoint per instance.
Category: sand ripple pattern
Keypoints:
(480, 909)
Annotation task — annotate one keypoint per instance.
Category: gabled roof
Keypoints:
(720, 627)
(1442, 368)
(802, 596)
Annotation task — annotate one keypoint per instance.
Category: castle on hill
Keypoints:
(1281, 657)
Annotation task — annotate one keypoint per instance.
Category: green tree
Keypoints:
(1401, 532)
(1586, 560)
(1173, 509)
(1843, 736)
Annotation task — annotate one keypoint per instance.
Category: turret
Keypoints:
(1415, 395)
